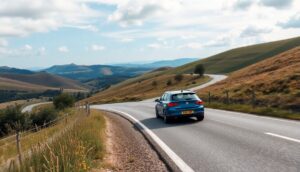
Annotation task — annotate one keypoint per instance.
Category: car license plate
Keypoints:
(187, 112)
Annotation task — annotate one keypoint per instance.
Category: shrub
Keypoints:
(169, 82)
(12, 119)
(63, 101)
(44, 115)
(199, 69)
(178, 77)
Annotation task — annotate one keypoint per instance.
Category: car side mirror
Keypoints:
(157, 100)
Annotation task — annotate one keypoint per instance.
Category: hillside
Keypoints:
(276, 82)
(42, 79)
(146, 88)
(238, 58)
(9, 70)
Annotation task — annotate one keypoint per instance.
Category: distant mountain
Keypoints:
(97, 76)
(162, 63)
(9, 70)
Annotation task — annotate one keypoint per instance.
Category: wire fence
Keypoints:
(16, 139)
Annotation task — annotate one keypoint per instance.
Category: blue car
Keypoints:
(177, 104)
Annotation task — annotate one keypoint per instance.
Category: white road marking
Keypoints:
(177, 160)
(283, 137)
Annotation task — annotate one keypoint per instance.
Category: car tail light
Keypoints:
(199, 102)
(172, 104)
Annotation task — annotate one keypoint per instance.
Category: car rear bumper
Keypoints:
(199, 112)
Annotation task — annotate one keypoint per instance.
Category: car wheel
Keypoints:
(166, 119)
(200, 118)
(156, 112)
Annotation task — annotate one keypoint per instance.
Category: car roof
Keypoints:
(179, 91)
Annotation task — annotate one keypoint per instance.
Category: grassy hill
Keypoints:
(238, 58)
(275, 81)
(146, 88)
(28, 86)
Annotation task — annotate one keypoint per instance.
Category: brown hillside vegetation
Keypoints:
(276, 82)
(37, 82)
(147, 88)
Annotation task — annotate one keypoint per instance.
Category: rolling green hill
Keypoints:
(238, 58)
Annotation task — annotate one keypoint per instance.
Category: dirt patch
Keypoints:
(127, 149)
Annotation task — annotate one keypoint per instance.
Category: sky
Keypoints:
(42, 33)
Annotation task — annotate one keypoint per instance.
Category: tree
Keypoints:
(199, 69)
(63, 101)
(178, 77)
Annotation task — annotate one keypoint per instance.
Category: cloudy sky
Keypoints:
(40, 33)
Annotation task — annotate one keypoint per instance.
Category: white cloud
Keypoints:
(20, 18)
(96, 47)
(254, 31)
(192, 45)
(63, 49)
(292, 22)
(277, 3)
(155, 46)
(135, 12)
(27, 47)
(243, 4)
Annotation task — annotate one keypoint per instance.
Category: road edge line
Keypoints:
(282, 137)
(171, 154)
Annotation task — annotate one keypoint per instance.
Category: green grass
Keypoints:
(262, 111)
(76, 150)
(238, 58)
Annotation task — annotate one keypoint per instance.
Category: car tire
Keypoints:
(156, 113)
(166, 119)
(200, 118)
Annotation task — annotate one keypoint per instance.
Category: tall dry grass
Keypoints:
(76, 150)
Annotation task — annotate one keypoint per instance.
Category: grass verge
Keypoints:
(8, 147)
(76, 150)
(262, 111)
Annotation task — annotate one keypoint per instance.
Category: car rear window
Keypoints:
(184, 96)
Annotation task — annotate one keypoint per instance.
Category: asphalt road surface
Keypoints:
(30, 107)
(224, 141)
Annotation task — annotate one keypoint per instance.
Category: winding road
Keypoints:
(224, 141)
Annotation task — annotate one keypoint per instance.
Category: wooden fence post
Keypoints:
(227, 96)
(19, 147)
(253, 99)
(209, 97)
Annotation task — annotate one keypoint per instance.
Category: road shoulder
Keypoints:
(127, 149)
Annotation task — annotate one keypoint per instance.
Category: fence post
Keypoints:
(209, 97)
(19, 147)
(227, 97)
(253, 99)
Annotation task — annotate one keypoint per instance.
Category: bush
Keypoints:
(199, 69)
(63, 101)
(178, 77)
(169, 82)
(12, 119)
(44, 115)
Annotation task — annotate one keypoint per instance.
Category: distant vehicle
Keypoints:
(177, 104)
